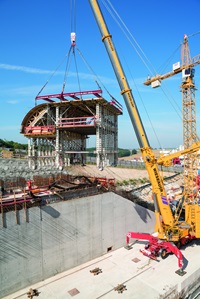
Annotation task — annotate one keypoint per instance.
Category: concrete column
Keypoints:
(29, 153)
(115, 139)
(57, 162)
(34, 153)
(99, 152)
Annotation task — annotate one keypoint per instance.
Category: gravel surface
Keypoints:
(119, 174)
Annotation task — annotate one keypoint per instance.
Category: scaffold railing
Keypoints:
(40, 130)
(86, 121)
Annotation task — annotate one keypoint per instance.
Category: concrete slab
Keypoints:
(143, 278)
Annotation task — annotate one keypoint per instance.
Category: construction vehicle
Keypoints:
(172, 229)
(176, 161)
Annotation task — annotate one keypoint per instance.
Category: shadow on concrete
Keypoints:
(185, 263)
(51, 211)
(195, 242)
(184, 247)
(142, 212)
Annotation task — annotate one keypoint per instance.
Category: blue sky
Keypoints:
(35, 37)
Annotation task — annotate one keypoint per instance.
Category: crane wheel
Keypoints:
(164, 254)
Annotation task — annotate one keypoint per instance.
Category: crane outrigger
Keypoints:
(170, 228)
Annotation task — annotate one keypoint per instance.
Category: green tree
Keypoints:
(123, 152)
(134, 151)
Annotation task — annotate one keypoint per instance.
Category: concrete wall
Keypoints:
(63, 235)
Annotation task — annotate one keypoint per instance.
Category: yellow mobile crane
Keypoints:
(171, 228)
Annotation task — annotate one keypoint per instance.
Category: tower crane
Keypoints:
(189, 112)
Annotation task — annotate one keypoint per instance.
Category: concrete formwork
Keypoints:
(57, 131)
(12, 169)
(60, 236)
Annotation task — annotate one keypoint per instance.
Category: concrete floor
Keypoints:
(143, 278)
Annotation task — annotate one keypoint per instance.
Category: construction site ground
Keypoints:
(126, 274)
(119, 173)
(141, 189)
(127, 179)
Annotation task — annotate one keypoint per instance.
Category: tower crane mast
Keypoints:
(189, 121)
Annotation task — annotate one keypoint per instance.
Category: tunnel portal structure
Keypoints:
(57, 129)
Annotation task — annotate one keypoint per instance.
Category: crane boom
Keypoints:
(196, 60)
(167, 160)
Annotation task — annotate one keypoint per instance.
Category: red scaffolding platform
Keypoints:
(63, 96)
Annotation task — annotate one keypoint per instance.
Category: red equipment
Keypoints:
(156, 247)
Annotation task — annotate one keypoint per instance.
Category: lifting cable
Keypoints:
(130, 34)
(73, 43)
(73, 30)
(77, 73)
(169, 60)
(139, 50)
(95, 76)
(73, 26)
(72, 51)
(127, 33)
(73, 15)
(67, 68)
(156, 136)
(73, 38)
(130, 37)
(53, 73)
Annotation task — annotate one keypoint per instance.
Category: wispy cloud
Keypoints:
(30, 70)
(88, 79)
(23, 69)
(13, 102)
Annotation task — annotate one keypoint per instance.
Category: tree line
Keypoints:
(12, 145)
(121, 152)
